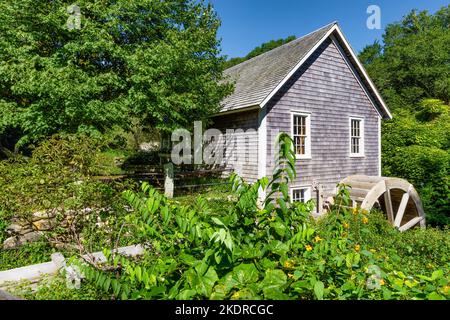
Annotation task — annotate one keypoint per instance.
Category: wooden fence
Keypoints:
(170, 178)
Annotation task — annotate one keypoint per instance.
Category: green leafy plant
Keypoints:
(263, 250)
(58, 178)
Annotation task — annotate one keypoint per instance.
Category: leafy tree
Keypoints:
(414, 60)
(416, 147)
(267, 46)
(157, 61)
(412, 70)
(370, 53)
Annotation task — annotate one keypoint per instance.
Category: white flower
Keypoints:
(373, 282)
(73, 277)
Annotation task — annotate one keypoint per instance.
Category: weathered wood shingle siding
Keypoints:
(326, 88)
(243, 156)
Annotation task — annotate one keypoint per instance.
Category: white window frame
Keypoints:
(307, 189)
(307, 154)
(361, 152)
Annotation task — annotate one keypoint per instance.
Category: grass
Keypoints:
(218, 197)
(28, 254)
(106, 162)
(56, 289)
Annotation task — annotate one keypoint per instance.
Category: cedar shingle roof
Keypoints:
(256, 78)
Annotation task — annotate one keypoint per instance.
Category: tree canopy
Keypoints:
(414, 61)
(157, 61)
(412, 70)
(267, 46)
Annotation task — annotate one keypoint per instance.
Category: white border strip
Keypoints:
(356, 75)
(297, 66)
(363, 70)
(262, 147)
(379, 147)
(353, 55)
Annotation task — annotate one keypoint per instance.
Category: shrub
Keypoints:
(142, 158)
(428, 169)
(28, 254)
(271, 252)
(416, 147)
(58, 177)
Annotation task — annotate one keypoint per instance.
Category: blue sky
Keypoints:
(248, 23)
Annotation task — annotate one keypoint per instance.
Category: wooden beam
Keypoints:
(410, 224)
(361, 178)
(358, 193)
(416, 198)
(388, 203)
(361, 184)
(401, 210)
(373, 195)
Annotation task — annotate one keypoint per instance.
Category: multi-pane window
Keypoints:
(356, 137)
(301, 195)
(301, 134)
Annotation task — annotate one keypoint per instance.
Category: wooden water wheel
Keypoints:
(396, 197)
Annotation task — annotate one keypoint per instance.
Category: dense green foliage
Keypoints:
(276, 251)
(413, 61)
(267, 46)
(419, 152)
(56, 289)
(412, 70)
(56, 175)
(58, 178)
(155, 61)
(128, 64)
(28, 254)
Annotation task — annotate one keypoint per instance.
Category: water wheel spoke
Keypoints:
(395, 193)
(388, 203)
(401, 210)
(410, 224)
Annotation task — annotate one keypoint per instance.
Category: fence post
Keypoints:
(168, 180)
(318, 188)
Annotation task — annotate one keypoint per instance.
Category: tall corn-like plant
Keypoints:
(277, 188)
(283, 173)
(194, 253)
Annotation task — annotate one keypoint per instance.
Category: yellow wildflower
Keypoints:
(355, 210)
(288, 264)
(317, 239)
(365, 220)
(357, 247)
(446, 288)
(308, 247)
(290, 276)
(235, 295)
(345, 224)
(382, 283)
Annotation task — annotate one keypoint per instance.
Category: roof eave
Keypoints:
(386, 114)
(385, 110)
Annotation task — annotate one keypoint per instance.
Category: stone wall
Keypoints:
(31, 229)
